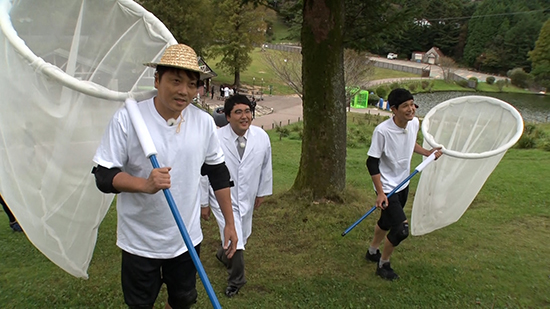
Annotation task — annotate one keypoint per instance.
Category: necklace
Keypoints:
(170, 122)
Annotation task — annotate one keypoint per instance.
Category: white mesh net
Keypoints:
(475, 132)
(65, 67)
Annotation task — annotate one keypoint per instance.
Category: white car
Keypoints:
(391, 56)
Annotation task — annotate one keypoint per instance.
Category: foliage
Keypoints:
(500, 84)
(533, 136)
(358, 70)
(287, 67)
(382, 91)
(540, 57)
(425, 84)
(462, 83)
(187, 23)
(447, 65)
(369, 24)
(395, 85)
(499, 40)
(412, 86)
(435, 23)
(490, 80)
(238, 27)
(520, 78)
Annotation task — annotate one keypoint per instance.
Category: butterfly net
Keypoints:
(474, 132)
(65, 67)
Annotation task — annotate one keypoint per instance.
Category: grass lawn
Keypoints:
(258, 69)
(495, 256)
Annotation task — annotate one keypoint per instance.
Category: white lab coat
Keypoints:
(252, 176)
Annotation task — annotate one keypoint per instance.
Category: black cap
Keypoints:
(398, 96)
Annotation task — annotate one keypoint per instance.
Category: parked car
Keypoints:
(391, 56)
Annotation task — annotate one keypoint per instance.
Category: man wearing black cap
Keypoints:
(389, 161)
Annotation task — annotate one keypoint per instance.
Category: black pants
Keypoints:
(7, 210)
(143, 277)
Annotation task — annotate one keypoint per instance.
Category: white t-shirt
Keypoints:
(146, 226)
(394, 147)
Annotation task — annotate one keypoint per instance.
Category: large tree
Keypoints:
(188, 23)
(540, 57)
(238, 28)
(322, 170)
(501, 32)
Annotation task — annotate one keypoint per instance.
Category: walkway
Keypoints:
(436, 72)
(283, 110)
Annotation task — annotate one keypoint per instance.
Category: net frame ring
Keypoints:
(457, 154)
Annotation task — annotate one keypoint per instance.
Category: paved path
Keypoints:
(284, 110)
(436, 71)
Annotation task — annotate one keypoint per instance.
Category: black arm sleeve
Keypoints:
(372, 165)
(104, 178)
(218, 175)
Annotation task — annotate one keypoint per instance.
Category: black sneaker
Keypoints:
(386, 272)
(15, 226)
(231, 291)
(373, 257)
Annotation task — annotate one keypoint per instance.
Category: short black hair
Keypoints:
(233, 100)
(161, 69)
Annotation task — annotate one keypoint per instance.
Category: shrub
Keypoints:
(520, 78)
(412, 86)
(283, 131)
(500, 84)
(373, 99)
(425, 84)
(394, 85)
(490, 80)
(526, 142)
(463, 83)
(382, 91)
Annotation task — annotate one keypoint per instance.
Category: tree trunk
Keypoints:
(322, 170)
(237, 80)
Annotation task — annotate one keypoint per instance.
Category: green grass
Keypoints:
(258, 70)
(381, 73)
(495, 256)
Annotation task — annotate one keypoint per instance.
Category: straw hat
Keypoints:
(179, 56)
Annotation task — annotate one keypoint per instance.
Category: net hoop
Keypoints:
(449, 103)
(54, 72)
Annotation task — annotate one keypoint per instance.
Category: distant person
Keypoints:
(389, 162)
(253, 107)
(14, 225)
(153, 250)
(212, 92)
(225, 93)
(247, 151)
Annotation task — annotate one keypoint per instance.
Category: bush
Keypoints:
(520, 78)
(500, 84)
(412, 86)
(425, 84)
(490, 80)
(382, 91)
(373, 99)
(394, 85)
(463, 83)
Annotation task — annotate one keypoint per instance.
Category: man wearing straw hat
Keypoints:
(153, 251)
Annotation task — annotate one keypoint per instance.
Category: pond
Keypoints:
(533, 107)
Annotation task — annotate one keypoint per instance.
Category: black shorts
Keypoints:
(394, 215)
(143, 277)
